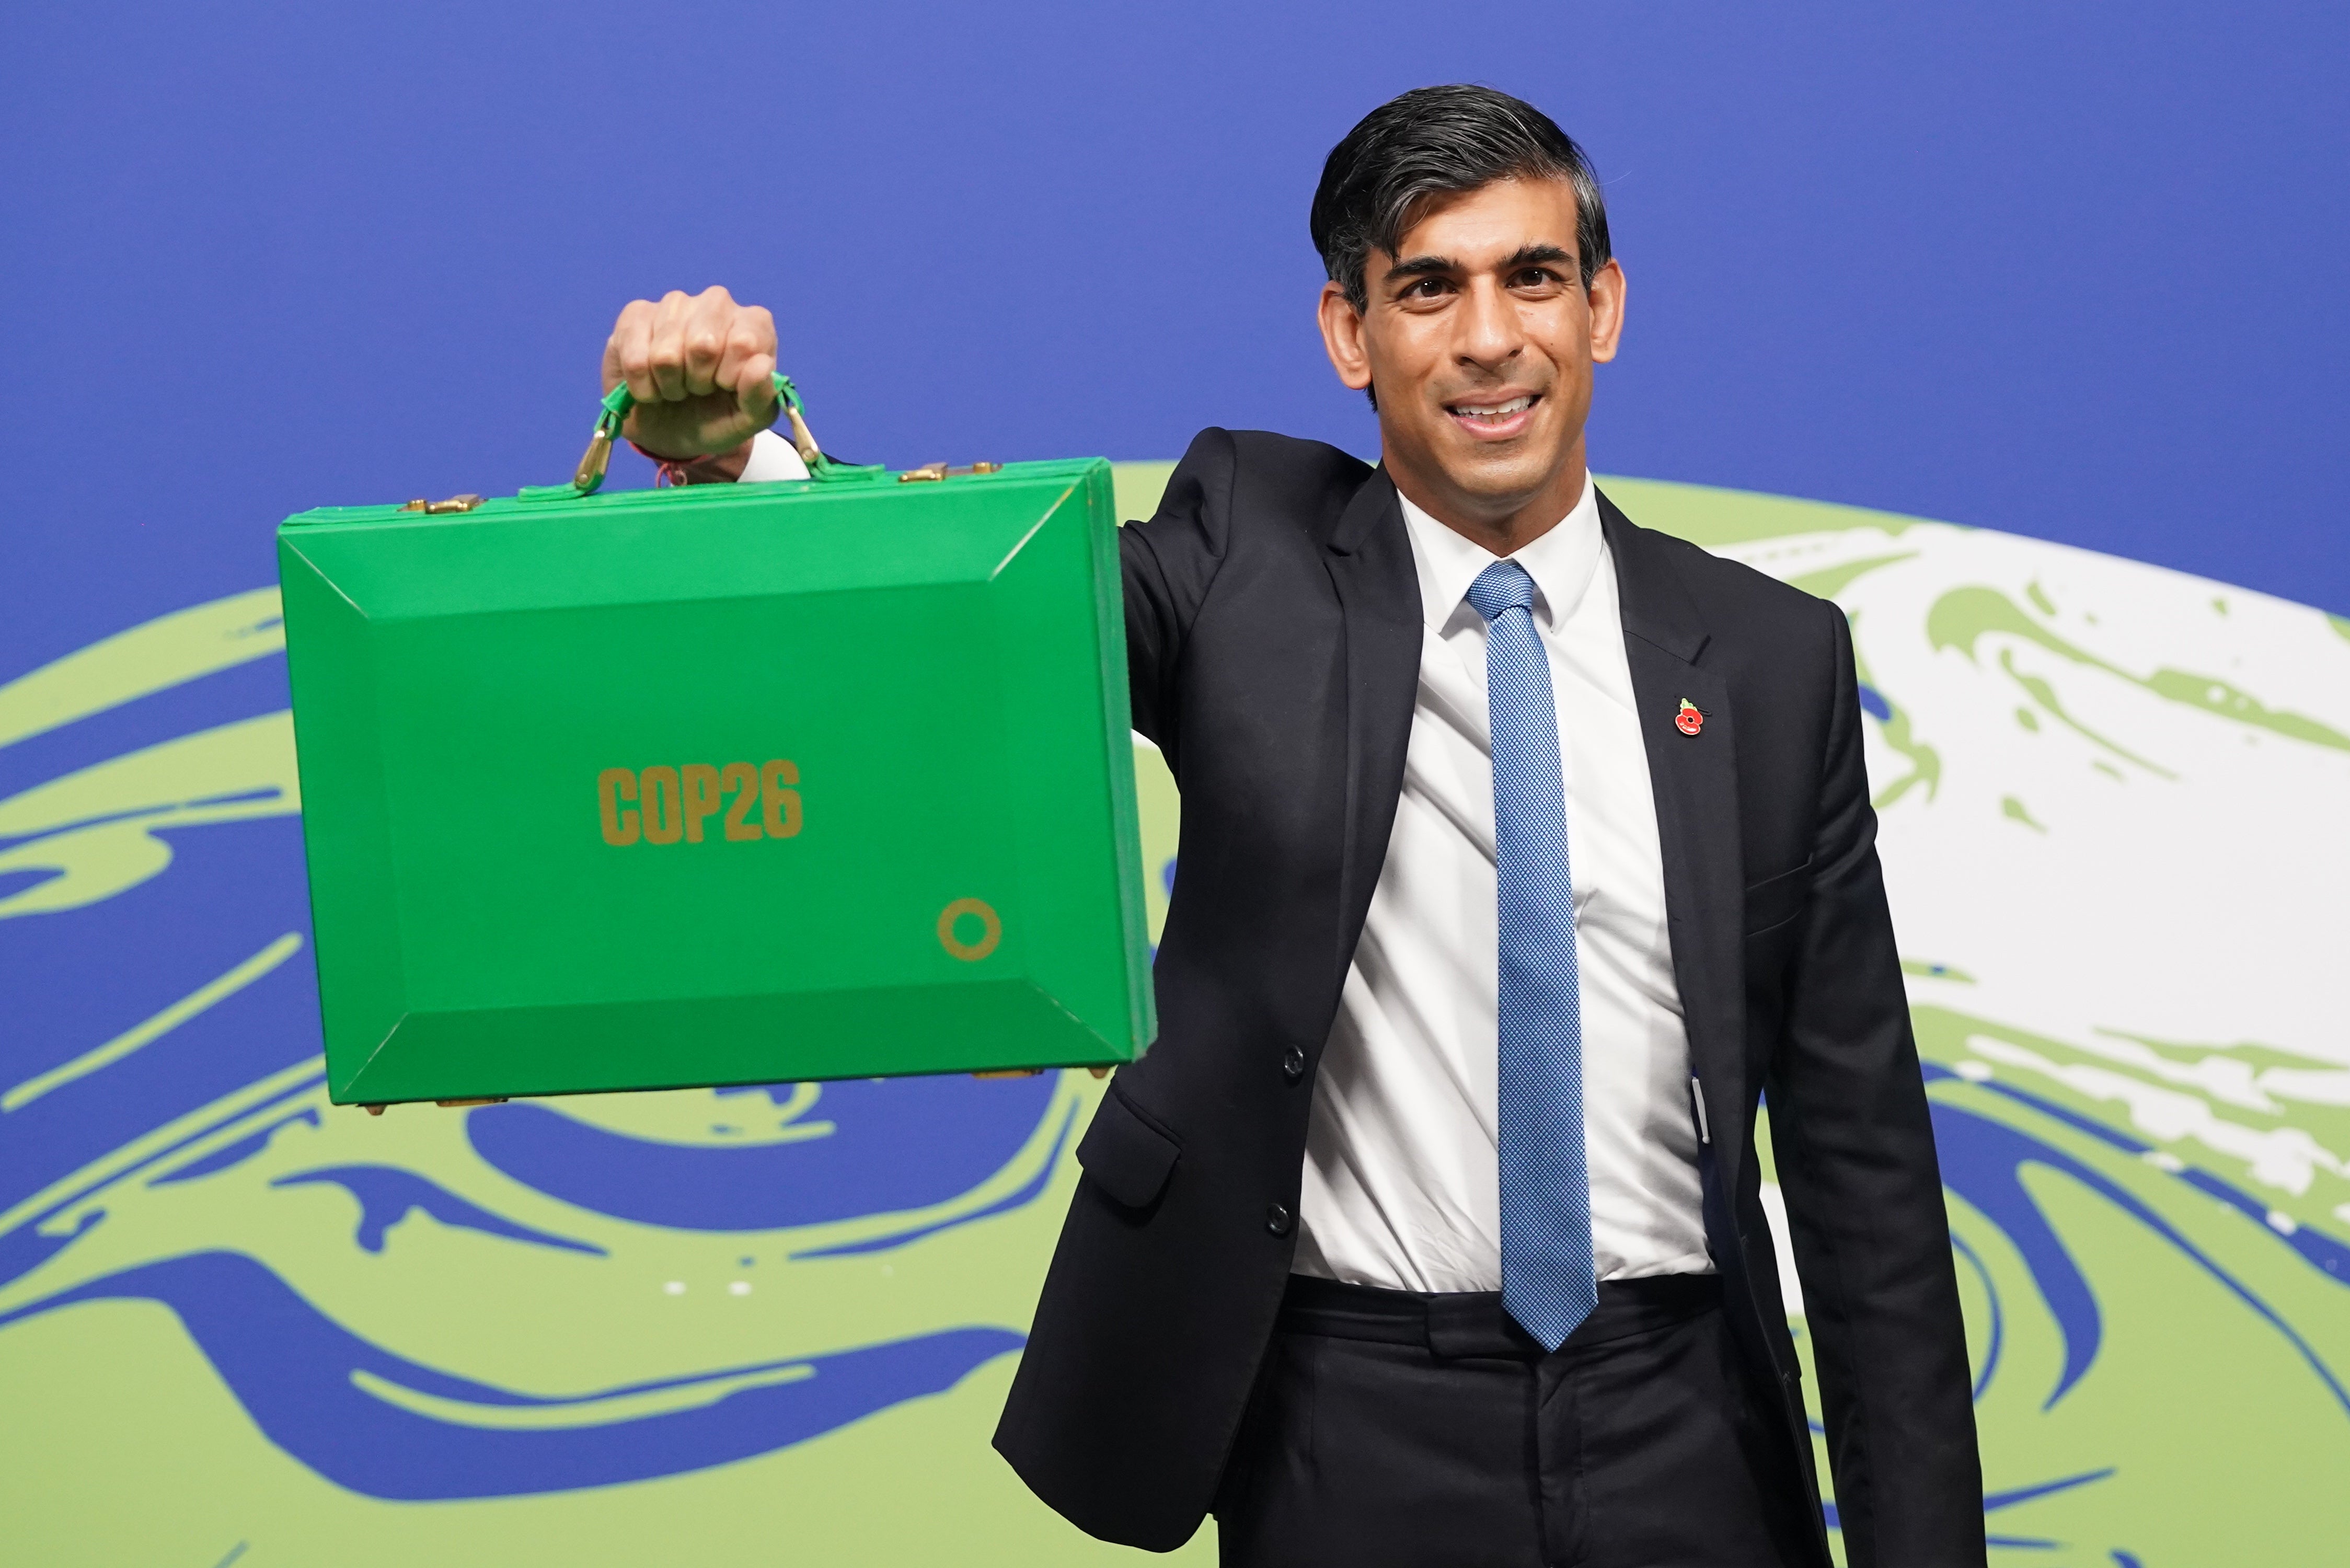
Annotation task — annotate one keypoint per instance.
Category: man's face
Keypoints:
(1479, 339)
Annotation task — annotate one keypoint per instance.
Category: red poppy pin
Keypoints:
(1689, 720)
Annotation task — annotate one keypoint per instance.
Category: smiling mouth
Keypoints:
(1492, 416)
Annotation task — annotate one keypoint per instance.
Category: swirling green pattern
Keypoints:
(776, 1326)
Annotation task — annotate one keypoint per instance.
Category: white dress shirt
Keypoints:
(1402, 1183)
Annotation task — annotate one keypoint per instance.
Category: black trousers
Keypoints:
(1395, 1430)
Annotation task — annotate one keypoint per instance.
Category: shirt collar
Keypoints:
(1562, 563)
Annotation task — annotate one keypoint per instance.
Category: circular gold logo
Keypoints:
(991, 929)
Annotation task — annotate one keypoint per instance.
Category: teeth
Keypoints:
(1498, 412)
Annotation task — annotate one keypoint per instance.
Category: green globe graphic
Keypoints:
(2104, 793)
(777, 1325)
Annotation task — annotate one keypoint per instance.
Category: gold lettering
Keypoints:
(664, 818)
(782, 803)
(701, 798)
(670, 805)
(613, 785)
(741, 780)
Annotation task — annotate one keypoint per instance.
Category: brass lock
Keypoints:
(442, 508)
(930, 471)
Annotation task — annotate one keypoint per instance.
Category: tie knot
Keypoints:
(1504, 585)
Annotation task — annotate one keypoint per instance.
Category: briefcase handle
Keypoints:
(589, 477)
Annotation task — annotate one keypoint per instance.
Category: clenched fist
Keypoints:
(702, 369)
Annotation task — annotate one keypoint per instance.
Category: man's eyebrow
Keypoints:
(1534, 256)
(1424, 266)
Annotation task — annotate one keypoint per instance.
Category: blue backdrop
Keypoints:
(2072, 272)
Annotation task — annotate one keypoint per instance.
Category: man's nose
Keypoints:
(1490, 334)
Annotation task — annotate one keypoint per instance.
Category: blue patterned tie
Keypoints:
(1548, 1283)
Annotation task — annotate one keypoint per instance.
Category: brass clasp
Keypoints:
(932, 470)
(442, 508)
(802, 438)
(589, 474)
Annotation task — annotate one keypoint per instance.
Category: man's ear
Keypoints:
(1606, 297)
(1342, 338)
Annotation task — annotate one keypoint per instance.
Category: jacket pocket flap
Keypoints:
(1126, 1155)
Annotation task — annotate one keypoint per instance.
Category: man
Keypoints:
(1521, 849)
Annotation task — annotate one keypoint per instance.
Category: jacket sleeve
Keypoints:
(1168, 564)
(1855, 1146)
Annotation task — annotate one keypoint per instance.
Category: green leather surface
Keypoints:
(502, 714)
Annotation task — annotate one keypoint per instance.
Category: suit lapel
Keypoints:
(1369, 558)
(1695, 779)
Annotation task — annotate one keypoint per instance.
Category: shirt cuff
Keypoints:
(772, 457)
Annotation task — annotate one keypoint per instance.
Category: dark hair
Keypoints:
(1436, 141)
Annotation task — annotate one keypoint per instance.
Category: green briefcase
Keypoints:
(724, 784)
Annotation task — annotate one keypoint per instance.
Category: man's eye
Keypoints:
(1426, 288)
(1535, 277)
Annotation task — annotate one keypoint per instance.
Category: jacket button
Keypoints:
(1277, 1219)
(1293, 1064)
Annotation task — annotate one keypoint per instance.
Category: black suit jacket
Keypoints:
(1272, 619)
